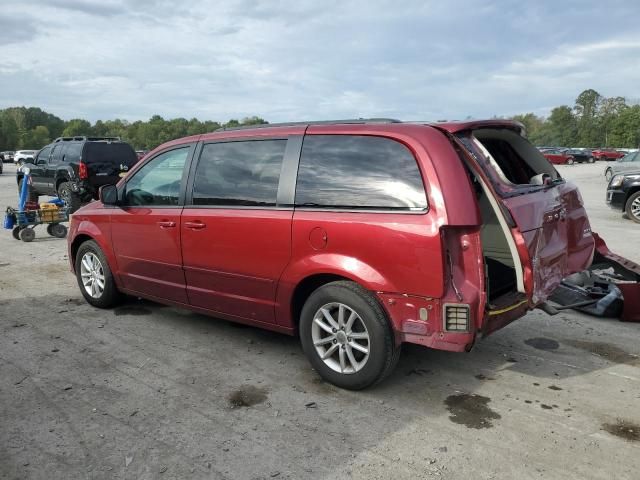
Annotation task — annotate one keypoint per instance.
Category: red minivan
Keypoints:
(358, 236)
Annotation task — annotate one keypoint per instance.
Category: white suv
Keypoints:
(22, 156)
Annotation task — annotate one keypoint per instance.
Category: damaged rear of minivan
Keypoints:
(535, 229)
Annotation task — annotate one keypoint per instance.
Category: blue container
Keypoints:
(9, 220)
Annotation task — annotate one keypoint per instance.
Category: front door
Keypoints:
(38, 171)
(146, 230)
(236, 241)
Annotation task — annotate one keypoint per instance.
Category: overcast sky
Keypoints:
(314, 59)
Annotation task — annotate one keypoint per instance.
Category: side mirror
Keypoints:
(108, 195)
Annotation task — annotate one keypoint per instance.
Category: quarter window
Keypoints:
(358, 172)
(158, 182)
(243, 173)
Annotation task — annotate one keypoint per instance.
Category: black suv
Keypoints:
(74, 168)
(623, 193)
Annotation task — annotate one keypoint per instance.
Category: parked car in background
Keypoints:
(73, 168)
(580, 155)
(357, 236)
(7, 156)
(24, 156)
(607, 154)
(1, 168)
(558, 157)
(623, 193)
(631, 161)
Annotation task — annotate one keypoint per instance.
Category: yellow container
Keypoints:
(48, 212)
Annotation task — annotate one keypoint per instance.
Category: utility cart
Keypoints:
(23, 220)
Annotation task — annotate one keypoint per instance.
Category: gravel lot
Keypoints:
(146, 391)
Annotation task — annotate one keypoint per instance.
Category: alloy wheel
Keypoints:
(635, 208)
(92, 275)
(340, 338)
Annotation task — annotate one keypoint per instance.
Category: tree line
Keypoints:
(593, 121)
(33, 128)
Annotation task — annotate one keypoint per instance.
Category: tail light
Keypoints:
(83, 173)
(456, 317)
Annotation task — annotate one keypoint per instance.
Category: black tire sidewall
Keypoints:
(72, 199)
(381, 340)
(110, 294)
(627, 207)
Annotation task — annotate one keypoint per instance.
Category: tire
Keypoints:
(570, 161)
(105, 297)
(632, 207)
(32, 195)
(72, 199)
(16, 232)
(27, 235)
(370, 321)
(57, 230)
(591, 160)
(608, 174)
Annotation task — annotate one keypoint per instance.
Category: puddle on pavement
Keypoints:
(247, 396)
(623, 429)
(542, 343)
(605, 350)
(131, 310)
(471, 410)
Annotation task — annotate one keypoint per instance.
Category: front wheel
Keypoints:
(347, 337)
(608, 174)
(94, 276)
(570, 161)
(591, 160)
(633, 207)
(71, 198)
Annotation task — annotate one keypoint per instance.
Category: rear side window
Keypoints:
(239, 173)
(358, 172)
(72, 152)
(109, 153)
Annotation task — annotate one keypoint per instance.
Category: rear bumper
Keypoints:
(616, 199)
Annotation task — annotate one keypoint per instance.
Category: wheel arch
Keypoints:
(632, 191)
(305, 288)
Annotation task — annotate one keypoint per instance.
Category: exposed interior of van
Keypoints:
(517, 163)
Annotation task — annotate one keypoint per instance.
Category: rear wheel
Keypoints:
(347, 337)
(71, 198)
(591, 160)
(633, 207)
(57, 230)
(94, 276)
(570, 161)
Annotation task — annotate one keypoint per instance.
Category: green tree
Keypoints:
(587, 107)
(38, 137)
(76, 127)
(532, 125)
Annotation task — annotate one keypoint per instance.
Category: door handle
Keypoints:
(167, 224)
(197, 225)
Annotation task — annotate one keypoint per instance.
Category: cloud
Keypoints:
(301, 59)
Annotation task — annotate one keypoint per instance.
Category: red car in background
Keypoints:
(607, 154)
(558, 157)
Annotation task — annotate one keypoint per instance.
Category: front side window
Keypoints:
(158, 182)
(43, 156)
(358, 172)
(243, 173)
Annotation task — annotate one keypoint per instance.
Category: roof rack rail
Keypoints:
(80, 138)
(352, 121)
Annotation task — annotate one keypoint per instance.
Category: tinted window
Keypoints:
(158, 182)
(56, 155)
(43, 155)
(346, 171)
(72, 152)
(109, 153)
(239, 173)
